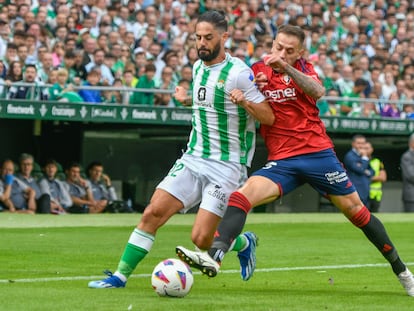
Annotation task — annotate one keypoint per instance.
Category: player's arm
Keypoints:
(262, 111)
(310, 86)
(247, 95)
(182, 96)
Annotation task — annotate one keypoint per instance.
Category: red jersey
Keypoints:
(297, 128)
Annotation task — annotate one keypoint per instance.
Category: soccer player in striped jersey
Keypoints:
(299, 151)
(225, 102)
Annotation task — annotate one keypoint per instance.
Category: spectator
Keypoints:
(370, 108)
(27, 175)
(4, 37)
(140, 60)
(22, 53)
(81, 193)
(35, 91)
(81, 73)
(103, 190)
(114, 96)
(52, 78)
(89, 46)
(58, 52)
(14, 73)
(350, 107)
(390, 109)
(407, 171)
(50, 185)
(11, 54)
(377, 180)
(145, 82)
(91, 95)
(356, 162)
(61, 86)
(45, 67)
(107, 77)
(68, 64)
(22, 197)
(346, 82)
(166, 83)
(6, 182)
(388, 86)
(408, 111)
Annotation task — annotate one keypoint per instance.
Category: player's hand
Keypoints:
(261, 80)
(237, 97)
(180, 94)
(275, 62)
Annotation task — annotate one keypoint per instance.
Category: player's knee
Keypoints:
(202, 241)
(152, 218)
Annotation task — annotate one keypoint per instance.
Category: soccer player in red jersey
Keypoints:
(300, 151)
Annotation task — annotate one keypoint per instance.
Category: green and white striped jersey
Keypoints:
(222, 130)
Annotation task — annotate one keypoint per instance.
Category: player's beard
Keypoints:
(206, 55)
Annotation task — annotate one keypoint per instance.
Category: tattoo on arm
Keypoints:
(310, 86)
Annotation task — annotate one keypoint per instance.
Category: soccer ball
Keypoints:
(172, 278)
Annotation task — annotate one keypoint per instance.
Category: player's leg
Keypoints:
(333, 180)
(375, 231)
(179, 190)
(161, 207)
(256, 189)
(202, 236)
(221, 179)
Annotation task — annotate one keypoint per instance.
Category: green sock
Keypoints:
(239, 244)
(138, 246)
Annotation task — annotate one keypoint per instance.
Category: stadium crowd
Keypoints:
(362, 50)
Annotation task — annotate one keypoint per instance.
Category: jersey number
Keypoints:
(176, 168)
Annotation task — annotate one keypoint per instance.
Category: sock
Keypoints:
(230, 226)
(138, 246)
(375, 232)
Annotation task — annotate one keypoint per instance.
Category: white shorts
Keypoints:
(206, 182)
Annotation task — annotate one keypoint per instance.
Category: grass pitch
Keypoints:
(305, 262)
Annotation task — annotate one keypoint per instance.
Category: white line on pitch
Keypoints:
(76, 278)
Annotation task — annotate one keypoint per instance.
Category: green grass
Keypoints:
(305, 262)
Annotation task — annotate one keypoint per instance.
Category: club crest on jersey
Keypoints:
(286, 79)
(201, 94)
(220, 84)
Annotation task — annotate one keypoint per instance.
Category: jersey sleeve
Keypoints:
(246, 83)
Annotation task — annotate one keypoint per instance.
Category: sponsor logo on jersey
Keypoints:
(280, 94)
(251, 77)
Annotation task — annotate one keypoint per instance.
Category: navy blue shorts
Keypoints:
(322, 170)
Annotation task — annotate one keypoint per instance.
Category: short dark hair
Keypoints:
(291, 30)
(30, 66)
(51, 161)
(150, 67)
(216, 18)
(93, 164)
